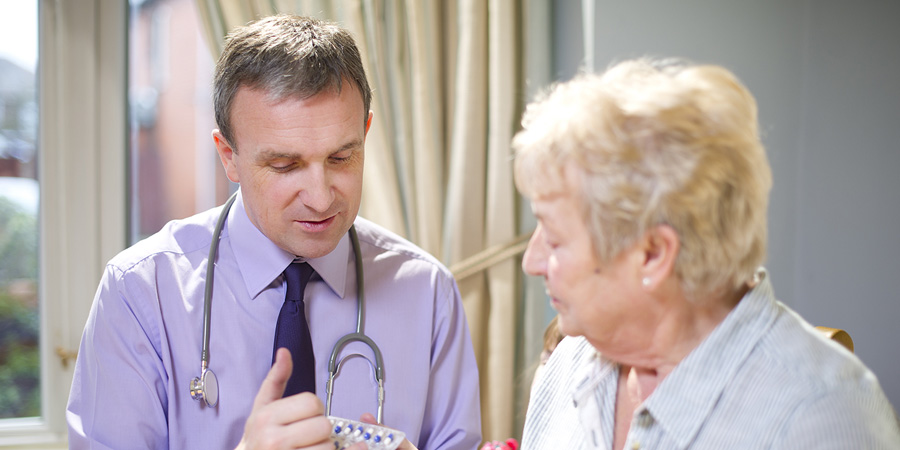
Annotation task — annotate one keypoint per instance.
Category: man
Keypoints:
(292, 106)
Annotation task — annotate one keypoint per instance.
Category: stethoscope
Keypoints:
(205, 388)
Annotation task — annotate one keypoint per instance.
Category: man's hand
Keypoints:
(295, 422)
(405, 445)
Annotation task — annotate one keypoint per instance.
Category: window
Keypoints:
(82, 169)
(20, 393)
(77, 173)
(175, 171)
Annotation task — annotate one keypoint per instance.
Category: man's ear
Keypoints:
(226, 155)
(660, 246)
(369, 122)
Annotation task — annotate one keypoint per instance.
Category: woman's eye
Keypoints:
(551, 243)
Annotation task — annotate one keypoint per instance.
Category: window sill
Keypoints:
(29, 433)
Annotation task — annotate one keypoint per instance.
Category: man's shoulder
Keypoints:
(384, 242)
(177, 237)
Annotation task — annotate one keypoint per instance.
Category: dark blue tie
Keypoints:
(292, 331)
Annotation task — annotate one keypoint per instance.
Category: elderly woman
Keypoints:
(650, 186)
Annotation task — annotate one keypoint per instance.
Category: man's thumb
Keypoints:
(273, 386)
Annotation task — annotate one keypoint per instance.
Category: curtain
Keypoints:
(448, 81)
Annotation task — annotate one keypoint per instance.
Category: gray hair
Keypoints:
(657, 144)
(289, 57)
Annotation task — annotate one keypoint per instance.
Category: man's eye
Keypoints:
(341, 156)
(281, 167)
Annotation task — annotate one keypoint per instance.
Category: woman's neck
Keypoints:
(677, 332)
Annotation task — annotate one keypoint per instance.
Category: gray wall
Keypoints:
(826, 75)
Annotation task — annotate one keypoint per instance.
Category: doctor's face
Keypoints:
(300, 165)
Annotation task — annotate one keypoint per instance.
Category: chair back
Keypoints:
(836, 334)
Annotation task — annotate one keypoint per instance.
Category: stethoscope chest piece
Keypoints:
(206, 388)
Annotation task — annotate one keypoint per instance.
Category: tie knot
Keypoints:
(297, 275)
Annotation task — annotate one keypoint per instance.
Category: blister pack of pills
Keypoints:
(346, 432)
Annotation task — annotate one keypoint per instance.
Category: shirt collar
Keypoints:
(590, 376)
(261, 261)
(333, 266)
(687, 396)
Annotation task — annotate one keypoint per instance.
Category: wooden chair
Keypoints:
(841, 336)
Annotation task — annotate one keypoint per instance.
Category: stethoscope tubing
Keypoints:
(210, 271)
(207, 376)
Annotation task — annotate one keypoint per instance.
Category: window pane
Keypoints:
(19, 196)
(174, 168)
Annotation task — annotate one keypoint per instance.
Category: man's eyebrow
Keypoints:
(356, 143)
(265, 155)
(268, 154)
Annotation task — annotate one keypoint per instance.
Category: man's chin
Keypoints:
(314, 246)
(312, 252)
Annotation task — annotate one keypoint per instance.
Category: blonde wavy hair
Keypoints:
(656, 142)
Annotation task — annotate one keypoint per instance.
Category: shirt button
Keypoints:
(636, 445)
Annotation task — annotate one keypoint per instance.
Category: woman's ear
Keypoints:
(660, 246)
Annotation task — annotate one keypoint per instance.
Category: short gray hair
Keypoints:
(656, 143)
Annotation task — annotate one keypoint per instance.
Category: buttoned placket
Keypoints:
(587, 400)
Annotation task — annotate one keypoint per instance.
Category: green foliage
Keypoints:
(19, 323)
(19, 359)
(18, 243)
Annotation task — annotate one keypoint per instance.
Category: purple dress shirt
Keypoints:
(141, 344)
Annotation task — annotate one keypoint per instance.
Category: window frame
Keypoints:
(82, 172)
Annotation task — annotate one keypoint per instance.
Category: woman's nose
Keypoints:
(534, 262)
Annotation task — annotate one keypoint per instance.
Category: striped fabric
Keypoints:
(763, 379)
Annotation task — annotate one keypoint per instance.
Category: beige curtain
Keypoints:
(448, 91)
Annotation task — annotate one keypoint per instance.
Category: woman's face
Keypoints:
(599, 301)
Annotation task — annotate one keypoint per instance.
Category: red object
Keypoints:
(510, 444)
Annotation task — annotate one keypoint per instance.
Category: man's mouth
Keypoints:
(315, 226)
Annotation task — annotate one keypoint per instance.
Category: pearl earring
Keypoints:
(646, 281)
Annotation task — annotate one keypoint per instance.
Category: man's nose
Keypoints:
(317, 192)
